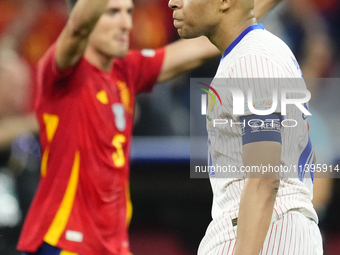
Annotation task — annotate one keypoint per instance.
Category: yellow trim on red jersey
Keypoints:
(51, 122)
(43, 168)
(60, 220)
(129, 207)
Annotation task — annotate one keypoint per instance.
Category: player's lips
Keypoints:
(122, 38)
(176, 18)
(177, 22)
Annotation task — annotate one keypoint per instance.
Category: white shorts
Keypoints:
(293, 234)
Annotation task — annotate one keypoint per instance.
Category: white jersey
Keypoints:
(254, 55)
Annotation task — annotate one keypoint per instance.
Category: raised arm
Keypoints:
(184, 55)
(72, 42)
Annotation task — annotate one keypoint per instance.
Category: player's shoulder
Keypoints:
(46, 67)
(137, 55)
(259, 50)
(49, 55)
(265, 44)
(127, 66)
(132, 60)
(47, 63)
(137, 60)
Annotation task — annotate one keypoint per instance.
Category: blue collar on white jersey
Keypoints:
(239, 38)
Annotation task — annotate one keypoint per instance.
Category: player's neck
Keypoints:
(98, 59)
(229, 31)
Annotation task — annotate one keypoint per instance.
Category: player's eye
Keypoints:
(130, 11)
(112, 11)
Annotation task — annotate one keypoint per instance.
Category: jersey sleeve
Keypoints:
(256, 85)
(48, 74)
(145, 67)
(257, 78)
(48, 66)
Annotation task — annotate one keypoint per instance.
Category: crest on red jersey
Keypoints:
(125, 96)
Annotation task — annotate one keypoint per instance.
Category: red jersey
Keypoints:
(86, 118)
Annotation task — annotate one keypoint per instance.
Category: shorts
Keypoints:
(293, 234)
(47, 249)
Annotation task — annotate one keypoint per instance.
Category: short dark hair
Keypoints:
(71, 4)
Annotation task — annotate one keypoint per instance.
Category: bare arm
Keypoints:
(185, 55)
(72, 41)
(12, 126)
(258, 198)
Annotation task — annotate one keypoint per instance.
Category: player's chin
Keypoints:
(119, 52)
(186, 34)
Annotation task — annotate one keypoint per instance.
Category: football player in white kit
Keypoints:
(272, 215)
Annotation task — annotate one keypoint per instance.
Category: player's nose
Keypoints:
(126, 21)
(175, 4)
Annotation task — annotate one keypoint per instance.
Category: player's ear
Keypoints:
(225, 5)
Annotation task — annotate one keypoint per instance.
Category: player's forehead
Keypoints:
(120, 4)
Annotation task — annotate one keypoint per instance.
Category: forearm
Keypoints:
(73, 40)
(264, 6)
(184, 55)
(256, 208)
(85, 15)
(10, 127)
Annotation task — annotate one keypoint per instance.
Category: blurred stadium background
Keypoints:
(171, 211)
